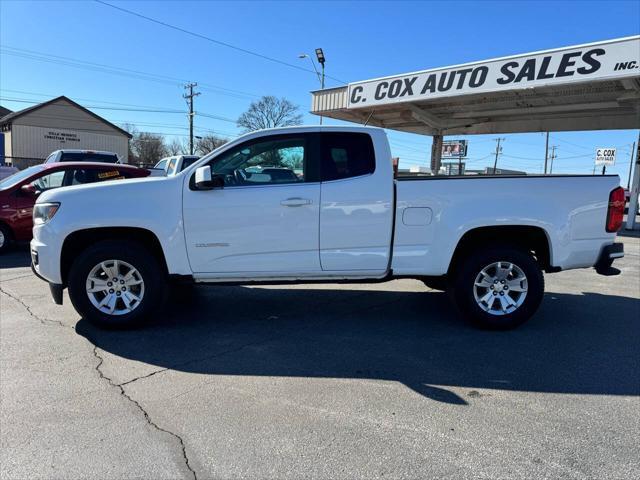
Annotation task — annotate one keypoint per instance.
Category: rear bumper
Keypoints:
(608, 254)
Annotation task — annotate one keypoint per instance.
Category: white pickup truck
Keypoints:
(309, 204)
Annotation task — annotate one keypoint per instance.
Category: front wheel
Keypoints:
(116, 284)
(5, 238)
(498, 288)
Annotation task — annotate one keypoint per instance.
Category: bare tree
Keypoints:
(148, 148)
(177, 147)
(208, 143)
(133, 131)
(269, 112)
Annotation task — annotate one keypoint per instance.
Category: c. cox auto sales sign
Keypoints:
(597, 61)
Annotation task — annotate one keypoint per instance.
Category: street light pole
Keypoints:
(321, 59)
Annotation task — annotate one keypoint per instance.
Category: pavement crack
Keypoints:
(144, 376)
(144, 412)
(199, 359)
(42, 320)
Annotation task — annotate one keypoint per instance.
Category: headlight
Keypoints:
(43, 212)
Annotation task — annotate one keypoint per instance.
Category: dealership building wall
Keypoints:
(30, 135)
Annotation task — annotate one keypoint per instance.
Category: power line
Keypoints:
(37, 114)
(155, 109)
(51, 95)
(115, 70)
(570, 143)
(212, 40)
(125, 109)
(98, 107)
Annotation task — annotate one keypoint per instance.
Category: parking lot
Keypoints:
(323, 381)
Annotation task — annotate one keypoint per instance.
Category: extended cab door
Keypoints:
(357, 194)
(265, 221)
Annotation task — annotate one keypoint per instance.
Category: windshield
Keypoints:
(19, 176)
(162, 163)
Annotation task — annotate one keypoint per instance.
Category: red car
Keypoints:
(18, 193)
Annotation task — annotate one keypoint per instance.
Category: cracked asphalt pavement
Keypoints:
(323, 381)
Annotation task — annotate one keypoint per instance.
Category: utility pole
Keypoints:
(189, 97)
(553, 156)
(498, 151)
(546, 153)
(631, 165)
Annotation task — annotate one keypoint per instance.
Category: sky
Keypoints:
(118, 64)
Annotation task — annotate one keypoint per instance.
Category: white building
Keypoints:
(30, 135)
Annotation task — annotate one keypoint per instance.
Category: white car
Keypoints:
(74, 155)
(307, 204)
(176, 164)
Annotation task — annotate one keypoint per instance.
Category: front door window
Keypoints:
(265, 162)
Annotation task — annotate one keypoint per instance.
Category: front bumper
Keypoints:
(608, 254)
(45, 248)
(56, 289)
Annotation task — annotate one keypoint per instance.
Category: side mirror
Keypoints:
(205, 181)
(29, 190)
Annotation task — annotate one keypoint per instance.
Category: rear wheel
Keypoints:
(5, 238)
(116, 284)
(498, 287)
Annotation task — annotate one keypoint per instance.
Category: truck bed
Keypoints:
(434, 212)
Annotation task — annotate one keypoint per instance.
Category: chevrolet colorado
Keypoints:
(308, 204)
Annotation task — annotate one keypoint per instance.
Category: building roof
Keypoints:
(6, 119)
(584, 87)
(4, 111)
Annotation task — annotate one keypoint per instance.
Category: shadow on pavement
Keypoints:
(583, 344)
(17, 256)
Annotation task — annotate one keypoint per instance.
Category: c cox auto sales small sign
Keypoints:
(596, 61)
(605, 156)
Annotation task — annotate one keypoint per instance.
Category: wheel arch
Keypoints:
(532, 238)
(79, 240)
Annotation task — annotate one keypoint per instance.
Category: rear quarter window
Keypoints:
(346, 155)
(88, 157)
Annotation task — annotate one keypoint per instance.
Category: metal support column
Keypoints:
(436, 154)
(635, 190)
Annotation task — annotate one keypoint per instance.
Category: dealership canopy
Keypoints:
(586, 87)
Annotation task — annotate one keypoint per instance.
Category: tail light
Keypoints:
(615, 212)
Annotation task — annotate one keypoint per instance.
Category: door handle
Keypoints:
(295, 202)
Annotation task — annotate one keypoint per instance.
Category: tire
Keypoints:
(6, 238)
(148, 284)
(490, 303)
